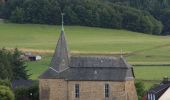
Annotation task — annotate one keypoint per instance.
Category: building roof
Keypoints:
(158, 89)
(98, 61)
(64, 66)
(61, 55)
(91, 68)
(23, 83)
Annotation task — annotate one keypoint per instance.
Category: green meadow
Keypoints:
(138, 48)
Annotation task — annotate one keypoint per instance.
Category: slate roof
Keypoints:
(159, 90)
(64, 66)
(61, 55)
(97, 61)
(23, 83)
(92, 74)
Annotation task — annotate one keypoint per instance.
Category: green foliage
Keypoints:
(164, 16)
(158, 9)
(6, 93)
(17, 15)
(31, 93)
(11, 66)
(19, 67)
(5, 83)
(5, 65)
(0, 9)
(95, 13)
(140, 88)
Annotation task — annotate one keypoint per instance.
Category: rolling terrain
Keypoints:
(148, 53)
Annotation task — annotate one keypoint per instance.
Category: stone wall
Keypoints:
(57, 89)
(130, 88)
(89, 90)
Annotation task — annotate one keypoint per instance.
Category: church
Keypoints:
(86, 77)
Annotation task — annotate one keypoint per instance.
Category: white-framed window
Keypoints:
(154, 97)
(106, 90)
(151, 96)
(77, 90)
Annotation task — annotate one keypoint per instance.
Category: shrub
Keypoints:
(140, 88)
(31, 93)
(6, 93)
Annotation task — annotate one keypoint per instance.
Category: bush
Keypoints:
(6, 93)
(140, 88)
(5, 83)
(31, 93)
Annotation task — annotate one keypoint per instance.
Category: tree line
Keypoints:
(95, 13)
(159, 9)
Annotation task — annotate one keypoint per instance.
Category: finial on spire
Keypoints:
(121, 53)
(62, 16)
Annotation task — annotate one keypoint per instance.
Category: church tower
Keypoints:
(86, 77)
(61, 56)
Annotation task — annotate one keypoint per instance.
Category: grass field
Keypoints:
(144, 48)
(140, 48)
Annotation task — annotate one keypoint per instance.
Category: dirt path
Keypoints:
(38, 51)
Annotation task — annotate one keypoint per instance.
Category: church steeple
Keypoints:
(60, 58)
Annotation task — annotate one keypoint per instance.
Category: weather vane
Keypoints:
(62, 16)
(121, 53)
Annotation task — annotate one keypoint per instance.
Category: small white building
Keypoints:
(166, 95)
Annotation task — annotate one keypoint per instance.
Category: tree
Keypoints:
(18, 66)
(140, 88)
(164, 16)
(5, 65)
(12, 67)
(17, 15)
(99, 13)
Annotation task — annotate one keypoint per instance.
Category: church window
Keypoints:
(106, 90)
(77, 90)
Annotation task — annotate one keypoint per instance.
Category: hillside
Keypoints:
(148, 50)
(87, 40)
(93, 13)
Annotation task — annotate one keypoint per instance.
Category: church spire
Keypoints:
(60, 58)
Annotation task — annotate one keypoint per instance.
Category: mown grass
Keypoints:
(142, 48)
(152, 72)
(35, 69)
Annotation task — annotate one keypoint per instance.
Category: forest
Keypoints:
(147, 16)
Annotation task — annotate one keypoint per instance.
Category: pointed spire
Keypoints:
(61, 56)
